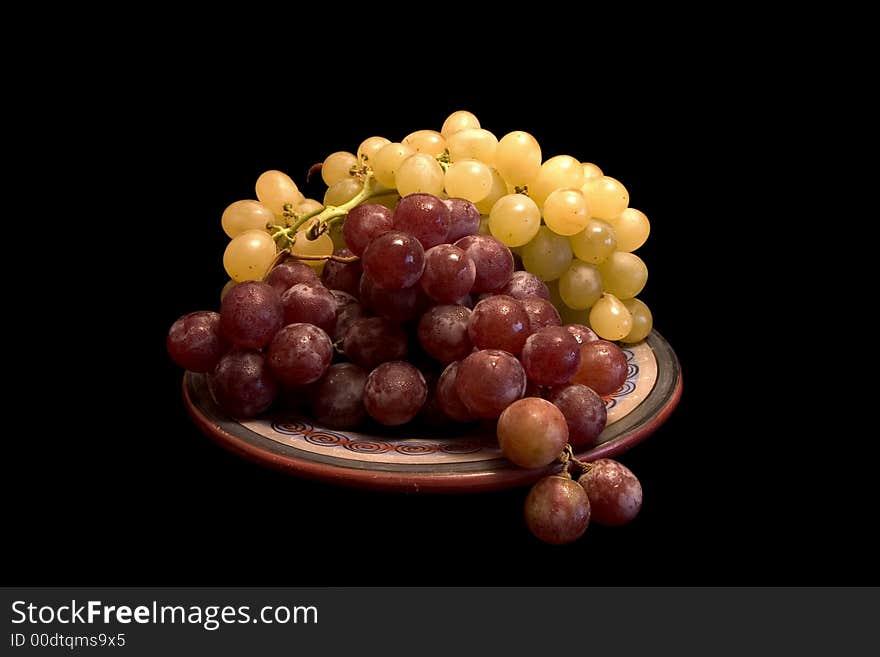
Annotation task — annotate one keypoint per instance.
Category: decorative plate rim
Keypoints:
(487, 475)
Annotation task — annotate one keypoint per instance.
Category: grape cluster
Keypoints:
(448, 277)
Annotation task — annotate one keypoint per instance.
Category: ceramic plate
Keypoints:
(461, 459)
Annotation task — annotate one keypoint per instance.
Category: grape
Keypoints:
(515, 219)
(449, 273)
(394, 393)
(363, 224)
(566, 211)
(369, 147)
(631, 228)
(429, 142)
(558, 172)
(541, 312)
(344, 276)
(229, 285)
(246, 215)
(374, 340)
(496, 191)
(457, 121)
(337, 400)
(420, 173)
(431, 415)
(396, 305)
(547, 255)
(468, 179)
(472, 143)
(347, 311)
(312, 304)
(464, 219)
(494, 261)
(524, 284)
(580, 286)
(195, 341)
(242, 384)
(624, 274)
(342, 191)
(584, 413)
(447, 397)
(607, 197)
(394, 260)
(499, 322)
(610, 318)
(614, 491)
(388, 160)
(557, 510)
(308, 206)
(337, 166)
(642, 320)
(591, 171)
(488, 381)
(250, 314)
(300, 354)
(518, 158)
(423, 216)
(532, 432)
(602, 367)
(302, 246)
(582, 333)
(443, 333)
(275, 189)
(594, 243)
(551, 356)
(287, 274)
(248, 255)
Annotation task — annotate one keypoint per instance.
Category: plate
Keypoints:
(465, 459)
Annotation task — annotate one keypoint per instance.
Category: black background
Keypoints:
(112, 484)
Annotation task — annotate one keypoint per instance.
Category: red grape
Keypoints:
(603, 367)
(584, 411)
(310, 304)
(344, 276)
(557, 510)
(464, 219)
(396, 305)
(447, 397)
(374, 340)
(424, 216)
(300, 354)
(582, 333)
(363, 224)
(195, 341)
(524, 284)
(250, 314)
(493, 260)
(287, 274)
(394, 260)
(443, 333)
(394, 393)
(242, 384)
(532, 432)
(614, 491)
(337, 400)
(550, 357)
(499, 322)
(541, 312)
(449, 273)
(347, 311)
(488, 381)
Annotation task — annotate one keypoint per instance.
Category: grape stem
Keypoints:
(567, 457)
(323, 216)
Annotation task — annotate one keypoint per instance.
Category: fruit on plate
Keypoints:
(452, 275)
